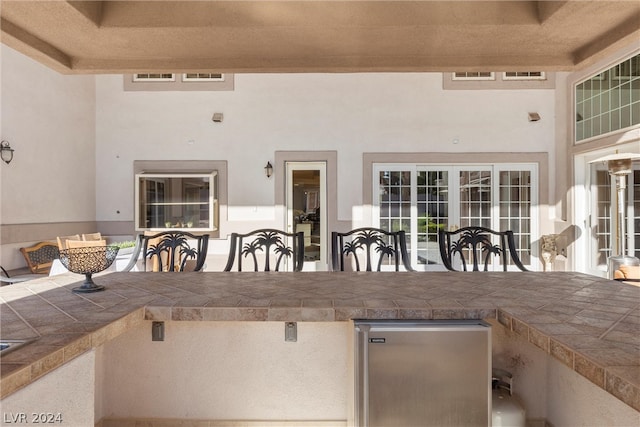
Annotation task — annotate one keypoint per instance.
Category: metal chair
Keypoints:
(474, 246)
(170, 251)
(373, 245)
(6, 278)
(274, 244)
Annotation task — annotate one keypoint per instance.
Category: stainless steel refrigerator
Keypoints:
(422, 373)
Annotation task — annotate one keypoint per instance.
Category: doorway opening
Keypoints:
(307, 211)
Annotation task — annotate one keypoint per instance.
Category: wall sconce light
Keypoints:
(6, 152)
(217, 117)
(534, 117)
(268, 170)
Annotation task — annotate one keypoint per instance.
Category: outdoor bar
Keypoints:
(548, 326)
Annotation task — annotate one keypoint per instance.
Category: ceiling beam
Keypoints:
(25, 42)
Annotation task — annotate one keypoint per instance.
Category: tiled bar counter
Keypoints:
(589, 324)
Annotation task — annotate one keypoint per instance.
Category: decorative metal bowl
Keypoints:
(88, 260)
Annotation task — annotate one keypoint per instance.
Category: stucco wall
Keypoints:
(246, 371)
(59, 125)
(64, 397)
(349, 113)
(49, 119)
(227, 371)
(550, 390)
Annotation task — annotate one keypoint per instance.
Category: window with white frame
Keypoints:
(488, 80)
(473, 75)
(524, 75)
(186, 201)
(608, 101)
(202, 77)
(178, 82)
(154, 77)
(421, 199)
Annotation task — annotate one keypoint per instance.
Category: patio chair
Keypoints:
(373, 247)
(62, 240)
(8, 279)
(92, 236)
(71, 244)
(169, 251)
(40, 256)
(474, 247)
(265, 247)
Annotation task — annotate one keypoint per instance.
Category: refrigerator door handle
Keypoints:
(362, 382)
(365, 366)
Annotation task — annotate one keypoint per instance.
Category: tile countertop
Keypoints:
(588, 323)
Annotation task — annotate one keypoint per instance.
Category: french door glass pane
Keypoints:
(433, 213)
(515, 209)
(475, 198)
(636, 211)
(395, 204)
(602, 187)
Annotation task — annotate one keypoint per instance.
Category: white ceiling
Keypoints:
(77, 37)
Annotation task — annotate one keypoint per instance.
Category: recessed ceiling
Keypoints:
(79, 37)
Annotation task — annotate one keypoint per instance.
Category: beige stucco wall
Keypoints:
(70, 121)
(76, 138)
(550, 390)
(66, 393)
(227, 371)
(347, 113)
(246, 371)
(49, 119)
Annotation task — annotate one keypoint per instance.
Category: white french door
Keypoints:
(601, 219)
(306, 184)
(421, 199)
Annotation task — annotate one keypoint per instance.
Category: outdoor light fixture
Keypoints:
(619, 166)
(534, 117)
(6, 152)
(268, 170)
